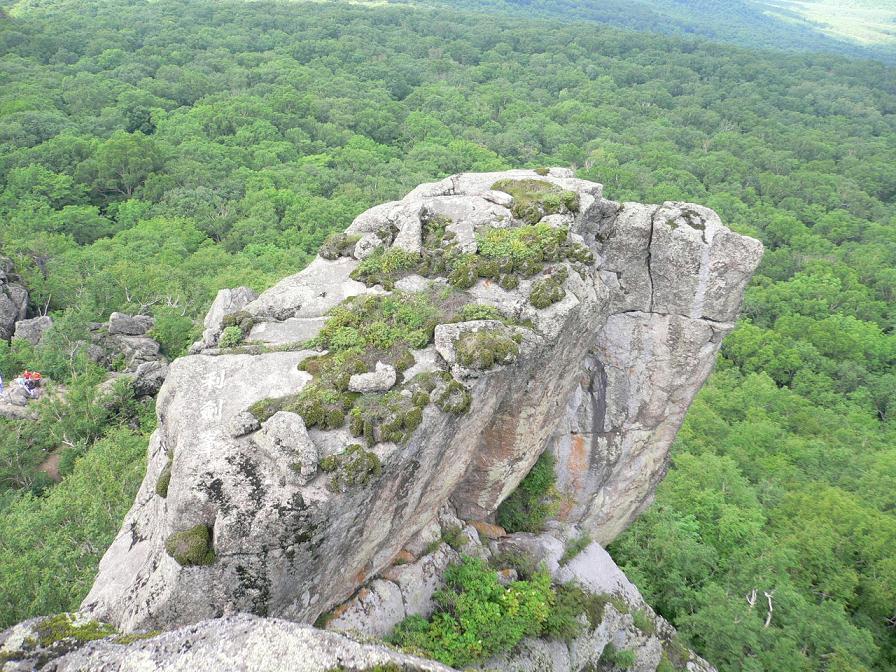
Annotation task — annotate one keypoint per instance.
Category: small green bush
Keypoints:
(623, 659)
(643, 622)
(574, 547)
(231, 337)
(476, 617)
(529, 506)
(191, 547)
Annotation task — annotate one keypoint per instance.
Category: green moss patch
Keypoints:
(387, 417)
(548, 290)
(242, 320)
(61, 627)
(338, 245)
(534, 199)
(192, 547)
(485, 348)
(164, 478)
(354, 467)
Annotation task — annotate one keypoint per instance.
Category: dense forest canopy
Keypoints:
(152, 153)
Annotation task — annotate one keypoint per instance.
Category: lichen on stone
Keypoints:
(191, 547)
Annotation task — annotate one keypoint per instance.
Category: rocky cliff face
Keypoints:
(457, 335)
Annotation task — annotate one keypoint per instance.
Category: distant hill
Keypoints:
(863, 28)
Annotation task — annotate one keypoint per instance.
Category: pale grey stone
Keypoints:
(242, 423)
(234, 643)
(284, 436)
(375, 611)
(289, 331)
(33, 330)
(227, 302)
(380, 380)
(130, 325)
(148, 378)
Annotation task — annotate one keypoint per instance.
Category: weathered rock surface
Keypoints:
(33, 330)
(236, 643)
(602, 378)
(227, 302)
(13, 299)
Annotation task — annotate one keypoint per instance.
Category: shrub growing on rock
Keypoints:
(529, 506)
(231, 337)
(191, 547)
(476, 617)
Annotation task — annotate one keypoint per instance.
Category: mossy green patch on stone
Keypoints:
(338, 245)
(242, 320)
(354, 467)
(453, 398)
(534, 199)
(164, 479)
(385, 266)
(63, 627)
(191, 547)
(485, 348)
(548, 290)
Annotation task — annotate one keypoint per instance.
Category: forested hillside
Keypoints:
(152, 153)
(754, 23)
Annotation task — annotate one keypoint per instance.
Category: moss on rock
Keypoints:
(485, 348)
(453, 398)
(62, 627)
(164, 478)
(338, 245)
(549, 290)
(355, 467)
(191, 547)
(534, 199)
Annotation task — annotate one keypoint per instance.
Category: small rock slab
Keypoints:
(292, 330)
(381, 380)
(285, 434)
(130, 325)
(33, 330)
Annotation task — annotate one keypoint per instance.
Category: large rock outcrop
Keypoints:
(13, 299)
(536, 314)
